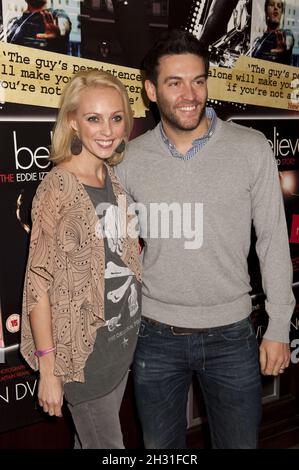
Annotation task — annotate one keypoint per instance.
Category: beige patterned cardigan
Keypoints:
(66, 258)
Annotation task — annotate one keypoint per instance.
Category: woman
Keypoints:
(81, 307)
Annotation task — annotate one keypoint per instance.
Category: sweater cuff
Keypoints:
(277, 332)
(279, 321)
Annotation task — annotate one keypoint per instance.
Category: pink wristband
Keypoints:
(43, 352)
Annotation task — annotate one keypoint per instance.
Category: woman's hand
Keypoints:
(50, 392)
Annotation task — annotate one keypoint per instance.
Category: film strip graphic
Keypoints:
(197, 16)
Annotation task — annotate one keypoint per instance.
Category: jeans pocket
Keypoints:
(238, 331)
(143, 330)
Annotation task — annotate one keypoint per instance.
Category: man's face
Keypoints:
(181, 91)
(36, 3)
(274, 12)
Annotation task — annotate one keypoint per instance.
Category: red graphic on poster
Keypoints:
(294, 238)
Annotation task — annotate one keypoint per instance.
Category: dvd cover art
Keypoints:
(24, 163)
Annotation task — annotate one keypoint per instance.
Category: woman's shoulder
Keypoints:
(56, 185)
(58, 178)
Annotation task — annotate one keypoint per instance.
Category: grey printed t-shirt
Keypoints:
(115, 342)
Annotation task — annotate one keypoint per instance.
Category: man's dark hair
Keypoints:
(171, 43)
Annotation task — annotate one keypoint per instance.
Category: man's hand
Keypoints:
(274, 357)
(52, 30)
(280, 42)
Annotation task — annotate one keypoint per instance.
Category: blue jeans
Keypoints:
(225, 360)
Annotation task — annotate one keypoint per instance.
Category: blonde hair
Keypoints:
(63, 134)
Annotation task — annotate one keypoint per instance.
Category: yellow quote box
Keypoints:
(29, 77)
(257, 82)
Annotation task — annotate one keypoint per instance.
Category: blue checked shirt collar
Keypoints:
(197, 144)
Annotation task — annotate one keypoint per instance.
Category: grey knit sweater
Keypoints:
(195, 257)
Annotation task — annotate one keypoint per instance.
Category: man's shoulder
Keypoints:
(289, 37)
(287, 31)
(141, 143)
(233, 130)
(17, 20)
(241, 141)
(148, 136)
(59, 13)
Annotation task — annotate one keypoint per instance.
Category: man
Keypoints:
(41, 27)
(276, 44)
(215, 178)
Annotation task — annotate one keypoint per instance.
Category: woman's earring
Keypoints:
(76, 145)
(121, 147)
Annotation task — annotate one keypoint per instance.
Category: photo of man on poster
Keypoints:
(277, 42)
(40, 26)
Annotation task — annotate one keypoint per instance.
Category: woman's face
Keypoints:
(99, 121)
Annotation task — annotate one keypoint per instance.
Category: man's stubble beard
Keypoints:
(176, 123)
